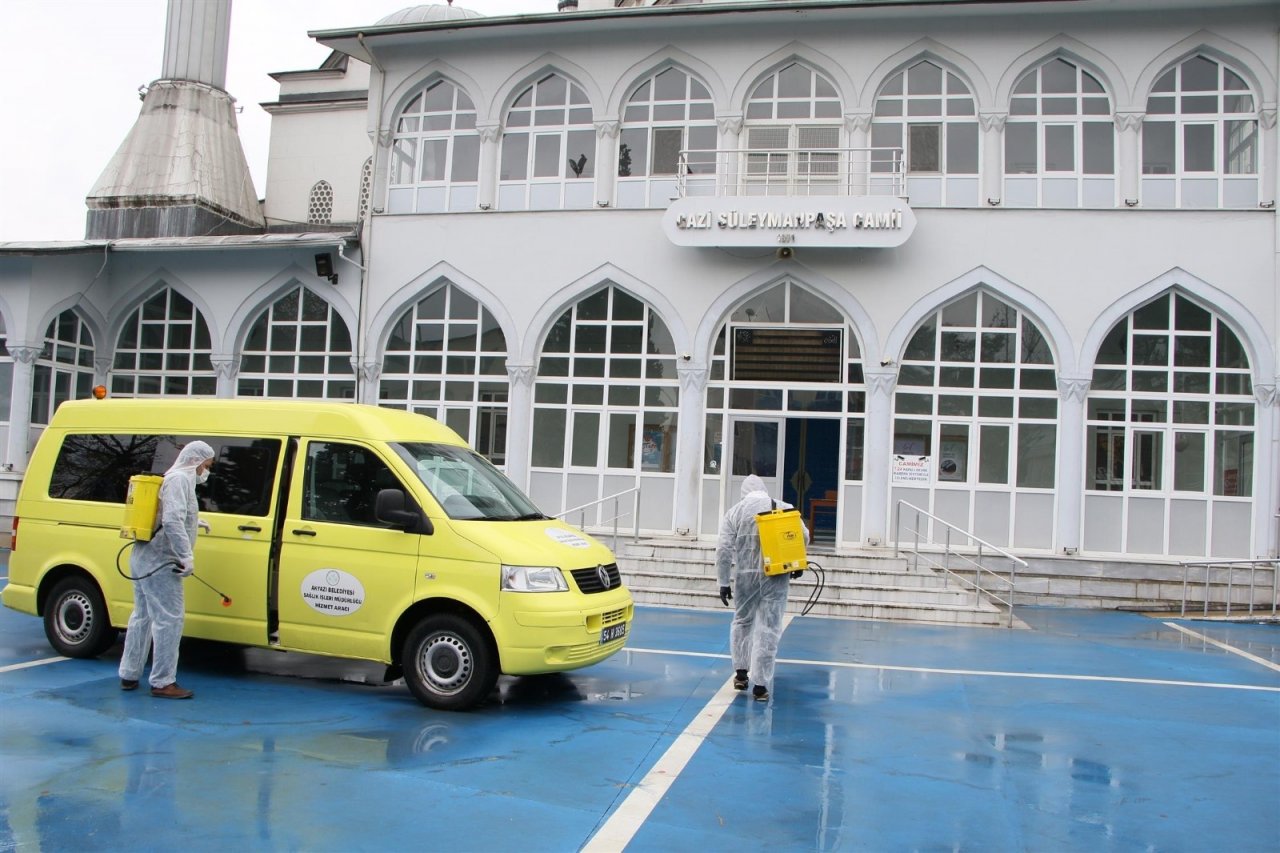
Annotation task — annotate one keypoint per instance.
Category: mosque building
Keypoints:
(1014, 263)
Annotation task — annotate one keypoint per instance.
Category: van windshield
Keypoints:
(465, 484)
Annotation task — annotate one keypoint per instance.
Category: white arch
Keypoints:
(597, 279)
(89, 315)
(6, 318)
(526, 76)
(667, 57)
(1236, 315)
(409, 294)
(156, 281)
(1076, 52)
(814, 60)
(1035, 308)
(261, 299)
(1239, 58)
(437, 69)
(719, 311)
(937, 53)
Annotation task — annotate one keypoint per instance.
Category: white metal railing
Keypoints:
(792, 172)
(618, 514)
(1227, 571)
(947, 557)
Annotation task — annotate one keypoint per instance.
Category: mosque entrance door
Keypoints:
(756, 448)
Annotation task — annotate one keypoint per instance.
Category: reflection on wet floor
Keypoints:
(1088, 731)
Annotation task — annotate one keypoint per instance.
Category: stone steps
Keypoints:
(681, 573)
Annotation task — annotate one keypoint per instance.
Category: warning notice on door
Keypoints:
(332, 592)
(911, 469)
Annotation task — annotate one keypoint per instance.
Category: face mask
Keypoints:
(202, 476)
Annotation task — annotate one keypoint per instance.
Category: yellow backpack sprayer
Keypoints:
(782, 545)
(781, 541)
(141, 511)
(141, 505)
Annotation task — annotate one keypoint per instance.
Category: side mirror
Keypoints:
(390, 508)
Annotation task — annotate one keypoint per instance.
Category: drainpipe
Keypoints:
(1273, 532)
(368, 373)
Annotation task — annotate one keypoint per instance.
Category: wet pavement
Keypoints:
(1089, 731)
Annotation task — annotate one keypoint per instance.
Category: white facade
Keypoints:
(1077, 339)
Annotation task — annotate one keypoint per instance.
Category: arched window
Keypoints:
(929, 113)
(792, 133)
(320, 206)
(977, 394)
(446, 357)
(606, 404)
(1171, 430)
(1061, 136)
(1200, 138)
(164, 350)
(435, 154)
(669, 112)
(366, 185)
(64, 370)
(548, 148)
(298, 347)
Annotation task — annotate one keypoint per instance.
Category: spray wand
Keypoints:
(226, 599)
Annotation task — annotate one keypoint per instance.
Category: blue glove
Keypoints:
(185, 571)
(725, 594)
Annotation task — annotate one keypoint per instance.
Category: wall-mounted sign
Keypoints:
(911, 469)
(793, 221)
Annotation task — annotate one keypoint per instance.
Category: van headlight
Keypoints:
(533, 579)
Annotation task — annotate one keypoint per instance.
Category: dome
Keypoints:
(428, 13)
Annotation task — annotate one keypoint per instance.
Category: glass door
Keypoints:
(755, 448)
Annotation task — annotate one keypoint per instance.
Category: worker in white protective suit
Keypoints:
(158, 568)
(760, 600)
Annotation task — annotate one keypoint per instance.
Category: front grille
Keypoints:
(589, 580)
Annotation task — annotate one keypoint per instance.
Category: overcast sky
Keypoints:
(69, 91)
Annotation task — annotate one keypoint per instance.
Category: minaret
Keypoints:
(181, 171)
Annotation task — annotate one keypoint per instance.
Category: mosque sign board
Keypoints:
(791, 221)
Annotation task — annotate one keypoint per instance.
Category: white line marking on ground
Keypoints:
(27, 665)
(1229, 648)
(621, 827)
(991, 673)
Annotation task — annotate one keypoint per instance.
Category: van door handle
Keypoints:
(303, 531)
(249, 528)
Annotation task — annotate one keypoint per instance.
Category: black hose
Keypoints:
(821, 582)
(130, 577)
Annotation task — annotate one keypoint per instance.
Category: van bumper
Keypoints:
(545, 639)
(20, 598)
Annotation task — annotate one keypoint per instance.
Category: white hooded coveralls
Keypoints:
(759, 601)
(158, 607)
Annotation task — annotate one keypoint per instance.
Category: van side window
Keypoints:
(242, 477)
(341, 482)
(97, 467)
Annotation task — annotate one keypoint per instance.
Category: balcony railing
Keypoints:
(792, 172)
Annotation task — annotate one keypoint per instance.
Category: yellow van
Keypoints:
(337, 529)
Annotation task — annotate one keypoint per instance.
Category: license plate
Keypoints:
(613, 632)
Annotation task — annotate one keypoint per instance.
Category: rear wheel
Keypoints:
(76, 620)
(447, 663)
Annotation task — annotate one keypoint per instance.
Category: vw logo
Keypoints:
(603, 574)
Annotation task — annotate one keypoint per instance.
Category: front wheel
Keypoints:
(76, 620)
(447, 663)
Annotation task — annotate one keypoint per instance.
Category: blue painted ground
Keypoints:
(1074, 735)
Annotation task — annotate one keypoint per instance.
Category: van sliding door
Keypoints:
(344, 577)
